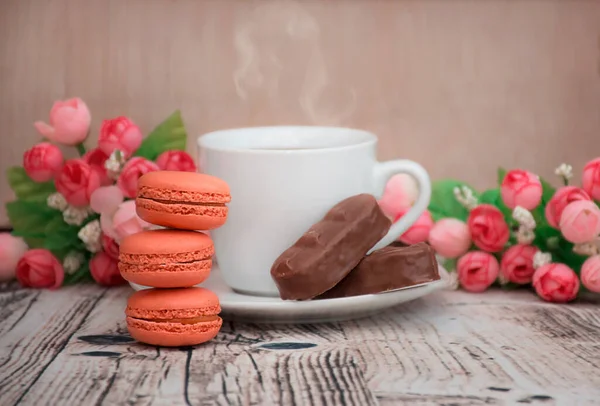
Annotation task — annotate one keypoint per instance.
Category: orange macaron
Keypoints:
(166, 258)
(173, 317)
(182, 200)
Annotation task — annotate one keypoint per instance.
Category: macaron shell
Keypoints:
(165, 241)
(167, 276)
(207, 218)
(173, 334)
(184, 181)
(172, 303)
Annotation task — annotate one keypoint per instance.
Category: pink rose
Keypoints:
(477, 271)
(11, 250)
(556, 282)
(450, 237)
(119, 133)
(38, 268)
(132, 171)
(118, 219)
(517, 263)
(69, 122)
(176, 161)
(105, 271)
(521, 188)
(560, 200)
(419, 231)
(591, 178)
(42, 162)
(488, 228)
(590, 273)
(76, 182)
(580, 221)
(96, 158)
(400, 193)
(110, 247)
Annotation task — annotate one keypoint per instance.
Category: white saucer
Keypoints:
(273, 310)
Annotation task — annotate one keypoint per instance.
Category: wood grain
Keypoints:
(451, 348)
(482, 83)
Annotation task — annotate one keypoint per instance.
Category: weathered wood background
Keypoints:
(71, 347)
(483, 83)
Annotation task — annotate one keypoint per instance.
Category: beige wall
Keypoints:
(460, 86)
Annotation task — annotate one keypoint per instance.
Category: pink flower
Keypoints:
(118, 219)
(132, 171)
(176, 161)
(119, 133)
(488, 228)
(42, 162)
(96, 158)
(591, 178)
(556, 282)
(517, 263)
(560, 200)
(38, 268)
(419, 231)
(580, 221)
(590, 273)
(76, 182)
(400, 193)
(69, 122)
(477, 271)
(11, 250)
(521, 188)
(450, 237)
(110, 247)
(105, 271)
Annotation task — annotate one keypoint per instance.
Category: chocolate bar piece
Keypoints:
(330, 249)
(387, 269)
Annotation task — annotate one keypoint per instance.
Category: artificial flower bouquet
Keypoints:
(70, 215)
(524, 232)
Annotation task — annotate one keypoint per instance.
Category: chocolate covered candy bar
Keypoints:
(387, 269)
(330, 249)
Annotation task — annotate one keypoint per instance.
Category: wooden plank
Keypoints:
(33, 337)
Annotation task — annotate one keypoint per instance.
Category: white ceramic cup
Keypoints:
(282, 181)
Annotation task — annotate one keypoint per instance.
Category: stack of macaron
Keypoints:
(173, 260)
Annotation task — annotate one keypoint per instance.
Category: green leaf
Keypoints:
(443, 203)
(547, 192)
(27, 189)
(29, 218)
(494, 197)
(168, 135)
(81, 275)
(501, 175)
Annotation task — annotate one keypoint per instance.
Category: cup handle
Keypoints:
(383, 171)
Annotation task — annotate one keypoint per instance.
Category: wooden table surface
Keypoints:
(71, 347)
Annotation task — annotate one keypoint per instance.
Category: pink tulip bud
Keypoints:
(105, 271)
(591, 178)
(11, 250)
(450, 237)
(38, 268)
(521, 188)
(69, 122)
(119, 133)
(488, 228)
(419, 231)
(76, 182)
(562, 197)
(517, 263)
(477, 271)
(131, 173)
(580, 222)
(42, 162)
(590, 273)
(556, 282)
(400, 193)
(176, 161)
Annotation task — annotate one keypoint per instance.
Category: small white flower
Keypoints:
(75, 215)
(525, 235)
(91, 235)
(587, 249)
(72, 262)
(464, 195)
(114, 164)
(564, 171)
(524, 218)
(541, 258)
(57, 201)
